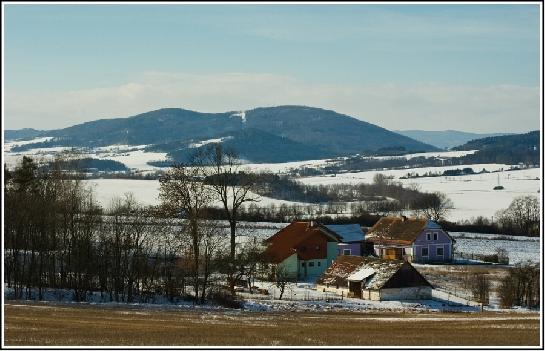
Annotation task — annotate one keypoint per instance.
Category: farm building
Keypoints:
(302, 249)
(411, 239)
(352, 238)
(376, 279)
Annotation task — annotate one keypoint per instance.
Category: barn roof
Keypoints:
(282, 244)
(399, 230)
(339, 270)
(378, 272)
(348, 232)
(361, 273)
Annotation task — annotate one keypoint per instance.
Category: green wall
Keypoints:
(290, 264)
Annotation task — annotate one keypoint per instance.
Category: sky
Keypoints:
(474, 68)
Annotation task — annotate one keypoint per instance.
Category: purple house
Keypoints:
(352, 238)
(411, 239)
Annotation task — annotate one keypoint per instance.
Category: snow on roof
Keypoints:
(361, 274)
(348, 232)
(384, 270)
(344, 267)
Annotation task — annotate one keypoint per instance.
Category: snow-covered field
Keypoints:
(472, 195)
(147, 191)
(519, 249)
(429, 154)
(132, 156)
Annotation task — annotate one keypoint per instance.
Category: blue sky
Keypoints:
(399, 66)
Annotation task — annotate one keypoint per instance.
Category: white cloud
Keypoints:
(506, 108)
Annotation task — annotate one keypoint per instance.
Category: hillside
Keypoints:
(508, 149)
(273, 134)
(22, 134)
(445, 139)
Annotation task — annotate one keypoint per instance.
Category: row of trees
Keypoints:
(56, 236)
(519, 287)
(521, 217)
(383, 196)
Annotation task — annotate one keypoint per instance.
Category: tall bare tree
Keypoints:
(435, 206)
(232, 187)
(522, 216)
(183, 192)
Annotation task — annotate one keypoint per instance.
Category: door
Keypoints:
(355, 289)
(393, 254)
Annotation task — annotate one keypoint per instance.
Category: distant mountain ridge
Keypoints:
(266, 134)
(446, 139)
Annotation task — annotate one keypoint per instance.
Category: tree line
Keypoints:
(57, 236)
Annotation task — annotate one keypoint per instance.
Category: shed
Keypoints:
(377, 279)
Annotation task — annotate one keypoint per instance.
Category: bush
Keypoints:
(480, 288)
(491, 258)
(225, 299)
(521, 286)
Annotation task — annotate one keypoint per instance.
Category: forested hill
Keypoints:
(508, 149)
(445, 139)
(271, 134)
(25, 133)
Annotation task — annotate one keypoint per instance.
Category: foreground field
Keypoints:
(45, 324)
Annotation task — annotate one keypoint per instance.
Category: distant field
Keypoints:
(41, 324)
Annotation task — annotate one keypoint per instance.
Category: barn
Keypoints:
(375, 279)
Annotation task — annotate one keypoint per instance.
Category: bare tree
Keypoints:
(183, 192)
(281, 279)
(521, 286)
(232, 188)
(480, 287)
(435, 206)
(522, 216)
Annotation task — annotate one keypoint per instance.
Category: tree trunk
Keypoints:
(232, 257)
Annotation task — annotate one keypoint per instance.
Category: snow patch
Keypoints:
(209, 141)
(241, 115)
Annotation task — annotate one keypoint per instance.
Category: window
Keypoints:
(302, 264)
(440, 251)
(347, 252)
(425, 251)
(434, 236)
(318, 264)
(428, 236)
(311, 264)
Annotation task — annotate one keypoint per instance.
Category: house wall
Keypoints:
(369, 294)
(422, 241)
(355, 248)
(406, 251)
(339, 291)
(313, 247)
(331, 253)
(414, 293)
(314, 268)
(290, 264)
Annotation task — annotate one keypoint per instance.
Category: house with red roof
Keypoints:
(304, 250)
